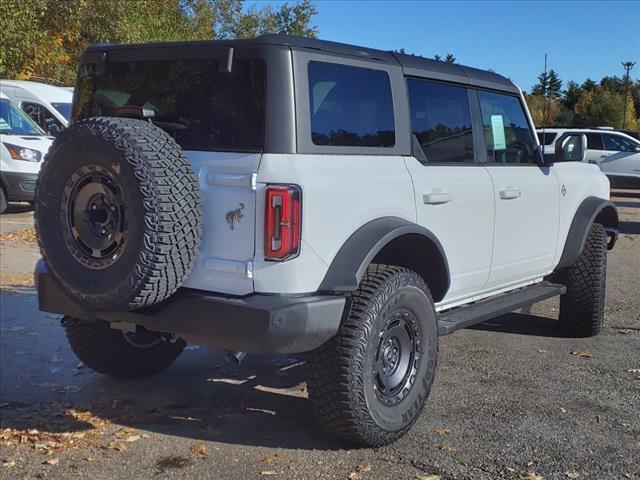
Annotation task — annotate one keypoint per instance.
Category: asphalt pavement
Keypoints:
(513, 399)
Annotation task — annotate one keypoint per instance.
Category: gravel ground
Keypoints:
(510, 400)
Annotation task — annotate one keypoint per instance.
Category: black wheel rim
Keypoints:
(397, 357)
(94, 214)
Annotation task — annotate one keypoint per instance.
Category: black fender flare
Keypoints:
(355, 255)
(591, 209)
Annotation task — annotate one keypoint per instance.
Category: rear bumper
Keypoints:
(21, 187)
(255, 324)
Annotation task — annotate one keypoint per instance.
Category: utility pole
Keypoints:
(627, 66)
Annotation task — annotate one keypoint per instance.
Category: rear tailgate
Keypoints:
(227, 181)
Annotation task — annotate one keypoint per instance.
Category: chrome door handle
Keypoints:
(436, 197)
(510, 193)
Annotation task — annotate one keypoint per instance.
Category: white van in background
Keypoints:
(23, 145)
(47, 105)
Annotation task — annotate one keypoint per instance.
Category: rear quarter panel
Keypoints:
(340, 193)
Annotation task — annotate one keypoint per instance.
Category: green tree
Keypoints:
(571, 95)
(450, 58)
(45, 38)
(601, 107)
(549, 84)
(613, 84)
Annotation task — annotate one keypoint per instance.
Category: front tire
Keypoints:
(120, 354)
(582, 307)
(3, 200)
(370, 382)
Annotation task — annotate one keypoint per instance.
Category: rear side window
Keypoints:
(594, 141)
(350, 106)
(506, 131)
(196, 101)
(617, 143)
(548, 139)
(441, 121)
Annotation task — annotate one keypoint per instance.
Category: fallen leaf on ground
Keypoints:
(531, 476)
(268, 459)
(353, 476)
(268, 472)
(563, 410)
(117, 446)
(446, 448)
(634, 370)
(363, 468)
(25, 235)
(572, 475)
(52, 461)
(8, 463)
(542, 350)
(443, 431)
(199, 449)
(581, 354)
(427, 476)
(132, 438)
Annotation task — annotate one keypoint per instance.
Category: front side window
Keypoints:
(197, 101)
(506, 131)
(43, 117)
(594, 141)
(617, 143)
(548, 138)
(15, 122)
(350, 106)
(441, 121)
(63, 108)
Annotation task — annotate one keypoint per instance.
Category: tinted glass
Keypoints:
(506, 130)
(441, 121)
(200, 104)
(15, 122)
(618, 143)
(594, 141)
(548, 139)
(42, 116)
(63, 108)
(350, 106)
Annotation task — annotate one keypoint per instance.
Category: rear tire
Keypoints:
(370, 382)
(118, 354)
(582, 307)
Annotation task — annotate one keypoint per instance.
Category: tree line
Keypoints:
(43, 39)
(583, 105)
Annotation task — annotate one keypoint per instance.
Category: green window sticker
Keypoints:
(497, 129)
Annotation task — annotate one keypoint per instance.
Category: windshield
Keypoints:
(14, 121)
(197, 101)
(64, 109)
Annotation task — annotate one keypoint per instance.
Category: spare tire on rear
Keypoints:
(118, 213)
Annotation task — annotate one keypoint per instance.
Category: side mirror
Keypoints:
(571, 147)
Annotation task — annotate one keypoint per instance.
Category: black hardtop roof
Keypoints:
(412, 65)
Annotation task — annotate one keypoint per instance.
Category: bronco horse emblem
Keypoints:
(234, 216)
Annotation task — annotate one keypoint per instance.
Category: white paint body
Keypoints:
(493, 244)
(41, 94)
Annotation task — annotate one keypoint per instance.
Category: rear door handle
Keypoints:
(510, 193)
(436, 197)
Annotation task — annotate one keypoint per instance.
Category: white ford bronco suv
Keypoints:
(285, 195)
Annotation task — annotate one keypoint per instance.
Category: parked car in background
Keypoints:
(616, 153)
(23, 146)
(47, 105)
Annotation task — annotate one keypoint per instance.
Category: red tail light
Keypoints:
(282, 222)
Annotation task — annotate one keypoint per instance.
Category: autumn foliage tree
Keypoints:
(43, 39)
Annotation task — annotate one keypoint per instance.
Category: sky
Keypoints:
(582, 39)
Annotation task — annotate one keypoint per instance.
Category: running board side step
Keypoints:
(483, 310)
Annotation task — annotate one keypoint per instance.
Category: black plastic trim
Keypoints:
(584, 217)
(483, 310)
(19, 186)
(262, 324)
(353, 258)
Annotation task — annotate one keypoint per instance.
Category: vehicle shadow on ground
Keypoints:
(262, 402)
(631, 228)
(523, 324)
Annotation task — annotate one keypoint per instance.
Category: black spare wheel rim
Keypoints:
(397, 357)
(94, 217)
